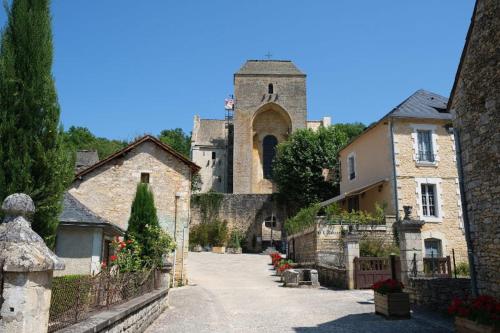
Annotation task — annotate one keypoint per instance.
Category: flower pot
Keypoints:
(219, 249)
(234, 250)
(393, 305)
(464, 325)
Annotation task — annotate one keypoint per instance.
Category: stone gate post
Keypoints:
(26, 265)
(351, 251)
(410, 246)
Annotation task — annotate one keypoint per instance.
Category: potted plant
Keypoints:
(235, 242)
(219, 235)
(283, 266)
(390, 300)
(275, 258)
(481, 315)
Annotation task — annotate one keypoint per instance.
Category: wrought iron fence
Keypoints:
(76, 297)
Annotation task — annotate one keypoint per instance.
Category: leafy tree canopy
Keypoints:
(80, 138)
(300, 161)
(177, 139)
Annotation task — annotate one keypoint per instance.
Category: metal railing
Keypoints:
(75, 298)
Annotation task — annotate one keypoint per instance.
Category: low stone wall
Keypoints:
(133, 316)
(437, 293)
(332, 276)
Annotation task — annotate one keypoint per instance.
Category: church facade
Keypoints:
(236, 153)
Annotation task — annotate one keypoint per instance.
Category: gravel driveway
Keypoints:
(239, 293)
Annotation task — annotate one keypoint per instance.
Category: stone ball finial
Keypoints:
(18, 204)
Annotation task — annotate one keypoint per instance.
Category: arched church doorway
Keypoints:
(270, 126)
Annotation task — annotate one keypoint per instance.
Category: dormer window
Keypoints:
(270, 88)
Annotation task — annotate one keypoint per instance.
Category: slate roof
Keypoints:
(269, 67)
(211, 132)
(85, 158)
(422, 104)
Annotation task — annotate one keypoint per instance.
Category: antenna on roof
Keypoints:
(268, 55)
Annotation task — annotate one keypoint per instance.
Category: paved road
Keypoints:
(238, 293)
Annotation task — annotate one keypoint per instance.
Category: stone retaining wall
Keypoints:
(332, 276)
(437, 293)
(133, 316)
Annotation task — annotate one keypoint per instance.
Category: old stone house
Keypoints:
(475, 101)
(408, 158)
(106, 189)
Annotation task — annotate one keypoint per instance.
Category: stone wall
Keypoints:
(109, 191)
(437, 293)
(133, 316)
(246, 212)
(475, 100)
(332, 276)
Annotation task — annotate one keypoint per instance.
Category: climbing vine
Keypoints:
(209, 204)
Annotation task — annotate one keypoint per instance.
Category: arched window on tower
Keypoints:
(268, 151)
(270, 88)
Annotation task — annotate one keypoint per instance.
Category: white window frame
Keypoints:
(435, 147)
(438, 204)
(353, 155)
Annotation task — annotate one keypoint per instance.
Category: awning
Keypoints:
(354, 192)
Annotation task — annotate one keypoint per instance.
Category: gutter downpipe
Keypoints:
(465, 216)
(395, 182)
(175, 237)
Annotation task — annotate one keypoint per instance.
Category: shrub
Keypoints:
(199, 235)
(236, 239)
(462, 269)
(376, 247)
(304, 218)
(218, 233)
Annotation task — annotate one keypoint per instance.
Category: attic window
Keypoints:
(270, 88)
(214, 155)
(441, 110)
(145, 177)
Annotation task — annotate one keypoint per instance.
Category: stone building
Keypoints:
(408, 158)
(106, 190)
(475, 101)
(235, 154)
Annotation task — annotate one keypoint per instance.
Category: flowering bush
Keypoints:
(275, 258)
(126, 256)
(284, 265)
(388, 286)
(483, 310)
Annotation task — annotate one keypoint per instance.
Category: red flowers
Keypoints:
(388, 286)
(283, 267)
(275, 258)
(113, 258)
(484, 309)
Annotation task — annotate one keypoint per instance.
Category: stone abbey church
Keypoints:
(236, 153)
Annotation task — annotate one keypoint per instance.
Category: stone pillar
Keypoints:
(351, 251)
(26, 265)
(410, 246)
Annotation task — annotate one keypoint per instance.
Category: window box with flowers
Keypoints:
(390, 300)
(479, 315)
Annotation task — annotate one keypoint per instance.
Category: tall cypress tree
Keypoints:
(143, 223)
(32, 157)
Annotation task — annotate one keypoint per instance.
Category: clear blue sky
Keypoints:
(123, 68)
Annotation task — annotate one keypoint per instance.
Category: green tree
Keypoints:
(32, 157)
(143, 225)
(177, 139)
(300, 161)
(79, 138)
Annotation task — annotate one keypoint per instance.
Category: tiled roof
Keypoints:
(269, 67)
(75, 211)
(211, 133)
(422, 104)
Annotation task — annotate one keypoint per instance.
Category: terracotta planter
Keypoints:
(464, 325)
(219, 249)
(393, 305)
